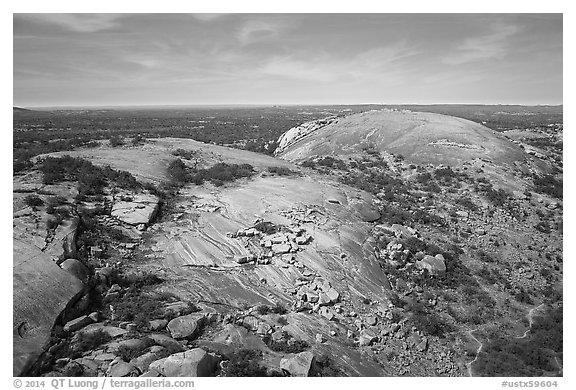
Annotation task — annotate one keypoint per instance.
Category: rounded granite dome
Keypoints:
(419, 137)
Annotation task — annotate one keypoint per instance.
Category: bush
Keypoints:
(52, 224)
(178, 171)
(548, 185)
(266, 227)
(33, 201)
(281, 171)
(277, 309)
(245, 363)
(89, 341)
(308, 164)
(138, 139)
(185, 154)
(116, 140)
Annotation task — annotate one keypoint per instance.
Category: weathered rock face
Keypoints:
(298, 365)
(42, 290)
(140, 210)
(299, 132)
(193, 363)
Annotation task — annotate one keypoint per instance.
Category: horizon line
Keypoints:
(104, 106)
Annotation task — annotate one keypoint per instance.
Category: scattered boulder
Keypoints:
(298, 365)
(186, 326)
(77, 323)
(333, 295)
(111, 331)
(326, 313)
(166, 341)
(367, 337)
(120, 369)
(434, 265)
(193, 363)
(279, 249)
(157, 324)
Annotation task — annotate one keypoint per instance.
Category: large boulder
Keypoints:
(76, 268)
(186, 326)
(298, 365)
(193, 363)
(434, 265)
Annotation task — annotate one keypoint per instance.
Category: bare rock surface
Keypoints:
(140, 210)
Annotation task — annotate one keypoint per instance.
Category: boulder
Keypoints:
(279, 249)
(311, 297)
(193, 363)
(111, 331)
(371, 320)
(77, 323)
(76, 268)
(298, 365)
(403, 231)
(333, 295)
(326, 313)
(166, 341)
(434, 265)
(143, 362)
(250, 322)
(186, 326)
(367, 337)
(121, 369)
(157, 324)
(323, 299)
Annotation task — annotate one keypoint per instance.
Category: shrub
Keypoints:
(467, 203)
(281, 171)
(288, 346)
(308, 164)
(127, 353)
(178, 171)
(185, 154)
(549, 185)
(90, 340)
(245, 363)
(33, 200)
(266, 227)
(52, 224)
(138, 139)
(116, 140)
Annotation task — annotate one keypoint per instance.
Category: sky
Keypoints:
(187, 59)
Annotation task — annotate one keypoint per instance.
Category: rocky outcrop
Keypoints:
(193, 363)
(140, 210)
(297, 133)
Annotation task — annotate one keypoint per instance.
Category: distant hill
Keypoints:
(419, 137)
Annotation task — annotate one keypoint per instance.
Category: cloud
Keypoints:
(257, 30)
(382, 63)
(207, 17)
(492, 45)
(77, 22)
